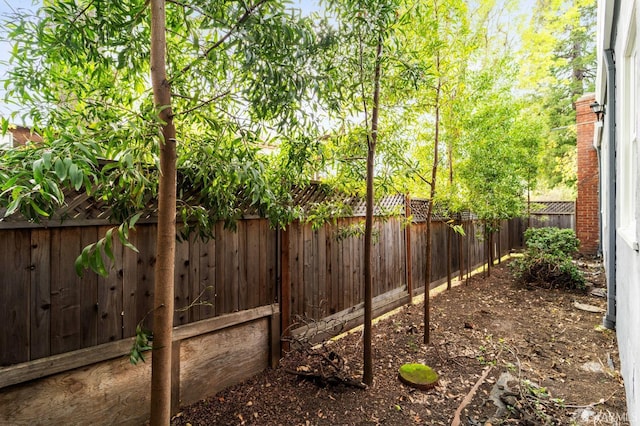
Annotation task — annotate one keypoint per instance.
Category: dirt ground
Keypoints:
(537, 360)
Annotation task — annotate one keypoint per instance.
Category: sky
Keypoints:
(7, 7)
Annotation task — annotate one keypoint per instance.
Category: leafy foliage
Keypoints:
(547, 259)
(559, 64)
(241, 78)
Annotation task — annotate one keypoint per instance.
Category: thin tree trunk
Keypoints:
(166, 240)
(367, 377)
(489, 250)
(434, 171)
(449, 254)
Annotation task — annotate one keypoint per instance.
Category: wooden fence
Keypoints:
(560, 214)
(64, 338)
(46, 309)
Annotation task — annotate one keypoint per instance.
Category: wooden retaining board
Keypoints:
(209, 356)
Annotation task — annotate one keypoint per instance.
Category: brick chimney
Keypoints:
(587, 217)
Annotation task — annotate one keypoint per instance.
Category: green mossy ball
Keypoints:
(418, 375)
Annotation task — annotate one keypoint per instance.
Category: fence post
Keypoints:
(407, 254)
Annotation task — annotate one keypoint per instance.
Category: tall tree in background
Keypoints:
(559, 66)
(501, 156)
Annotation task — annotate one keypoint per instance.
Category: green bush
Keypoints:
(547, 259)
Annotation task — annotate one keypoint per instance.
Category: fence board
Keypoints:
(308, 274)
(221, 265)
(40, 294)
(195, 296)
(146, 277)
(321, 266)
(243, 284)
(14, 297)
(254, 264)
(65, 291)
(88, 294)
(110, 290)
(207, 284)
(181, 284)
(130, 261)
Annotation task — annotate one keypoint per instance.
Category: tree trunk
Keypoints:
(434, 171)
(368, 230)
(489, 249)
(449, 254)
(164, 267)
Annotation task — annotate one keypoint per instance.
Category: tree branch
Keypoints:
(204, 103)
(196, 9)
(224, 38)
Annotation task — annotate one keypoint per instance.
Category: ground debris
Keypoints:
(534, 336)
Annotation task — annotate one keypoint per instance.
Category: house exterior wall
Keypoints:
(587, 206)
(618, 25)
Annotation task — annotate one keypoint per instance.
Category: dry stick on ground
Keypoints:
(467, 399)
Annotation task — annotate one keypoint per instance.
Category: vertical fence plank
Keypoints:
(221, 266)
(65, 291)
(285, 287)
(232, 302)
(110, 296)
(181, 290)
(321, 245)
(130, 261)
(197, 295)
(377, 259)
(330, 250)
(357, 276)
(40, 293)
(300, 269)
(243, 284)
(207, 287)
(147, 237)
(307, 274)
(269, 252)
(255, 264)
(349, 259)
(14, 296)
(88, 293)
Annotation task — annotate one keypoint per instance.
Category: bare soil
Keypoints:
(537, 360)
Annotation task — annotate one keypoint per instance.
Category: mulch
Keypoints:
(534, 355)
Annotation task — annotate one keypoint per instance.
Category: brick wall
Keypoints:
(587, 218)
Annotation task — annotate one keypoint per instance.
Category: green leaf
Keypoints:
(124, 238)
(38, 167)
(76, 176)
(60, 169)
(13, 207)
(38, 209)
(79, 266)
(108, 242)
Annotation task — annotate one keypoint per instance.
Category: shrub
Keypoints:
(547, 259)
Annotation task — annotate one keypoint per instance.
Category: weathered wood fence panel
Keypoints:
(326, 265)
(563, 221)
(209, 356)
(46, 309)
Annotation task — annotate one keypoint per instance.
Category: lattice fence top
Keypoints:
(82, 209)
(553, 207)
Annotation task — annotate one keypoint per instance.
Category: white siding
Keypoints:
(626, 199)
